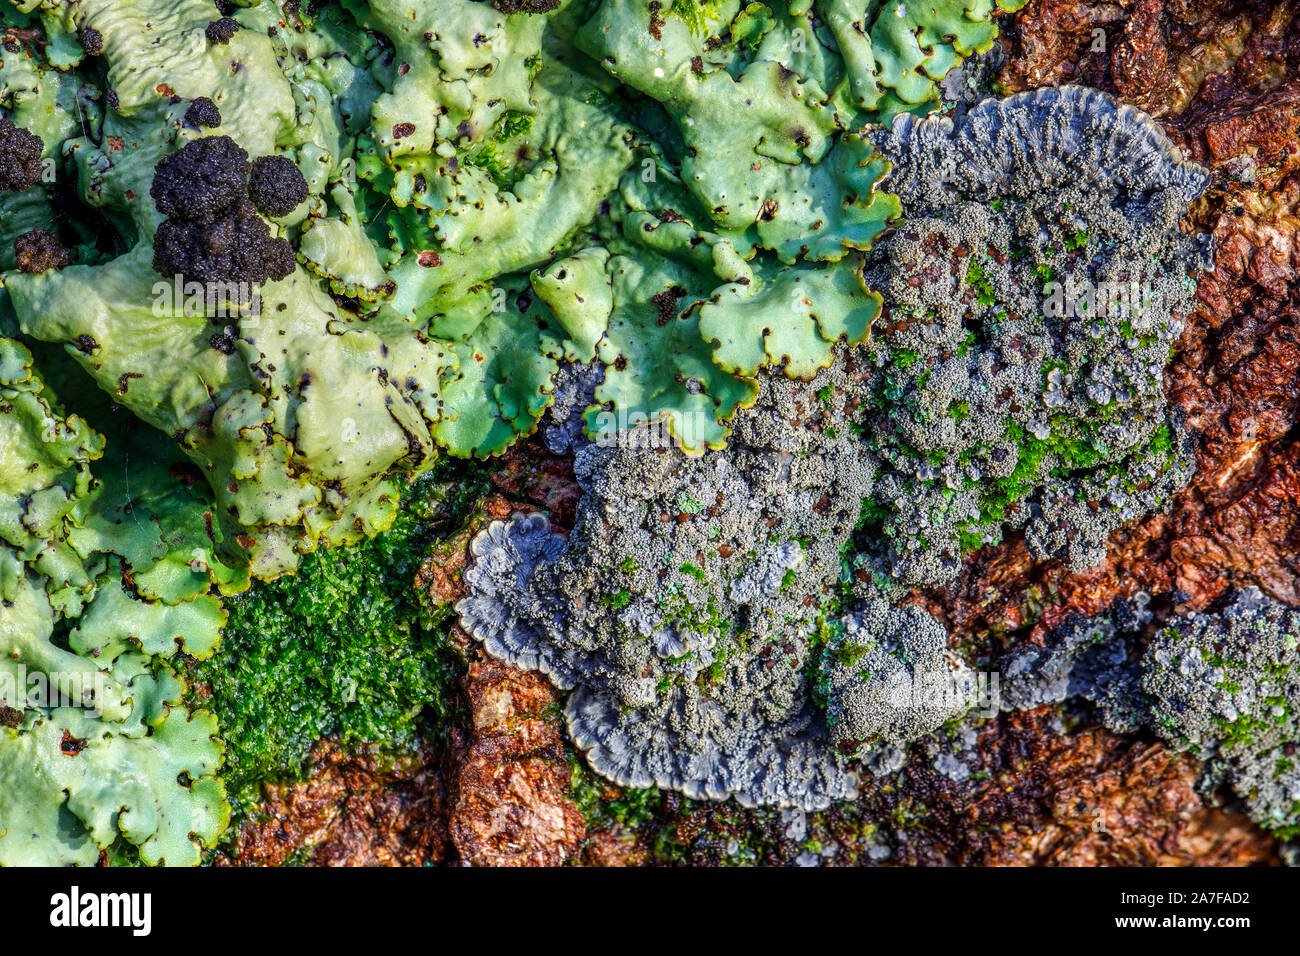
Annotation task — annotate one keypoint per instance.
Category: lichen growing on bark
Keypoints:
(1033, 293)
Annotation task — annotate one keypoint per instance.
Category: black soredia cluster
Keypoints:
(213, 233)
(38, 250)
(220, 31)
(20, 157)
(202, 112)
(92, 41)
(525, 6)
(277, 186)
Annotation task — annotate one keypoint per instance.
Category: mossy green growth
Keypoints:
(349, 648)
(627, 807)
(1071, 447)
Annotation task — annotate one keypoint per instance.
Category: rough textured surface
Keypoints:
(212, 233)
(684, 605)
(509, 799)
(1088, 658)
(276, 186)
(561, 427)
(1032, 295)
(200, 181)
(20, 157)
(203, 112)
(221, 30)
(1139, 800)
(497, 797)
(890, 678)
(1223, 685)
(39, 249)
(356, 808)
(1227, 687)
(1037, 797)
(1234, 373)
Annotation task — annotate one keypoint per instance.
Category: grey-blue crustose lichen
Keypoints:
(1222, 685)
(1033, 292)
(701, 610)
(687, 608)
(1090, 658)
(1227, 687)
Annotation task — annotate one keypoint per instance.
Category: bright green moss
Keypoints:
(628, 808)
(346, 649)
(983, 290)
(617, 600)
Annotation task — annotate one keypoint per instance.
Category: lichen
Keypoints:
(1033, 295)
(890, 678)
(1223, 685)
(1227, 687)
(96, 744)
(696, 602)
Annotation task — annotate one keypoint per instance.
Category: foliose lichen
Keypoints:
(100, 591)
(1033, 294)
(1227, 686)
(695, 605)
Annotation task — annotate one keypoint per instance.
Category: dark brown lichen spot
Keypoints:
(71, 745)
(10, 716)
(202, 113)
(124, 382)
(525, 6)
(429, 258)
(656, 20)
(37, 250)
(201, 180)
(276, 186)
(188, 474)
(666, 302)
(20, 157)
(220, 31)
(92, 41)
(402, 130)
(223, 343)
